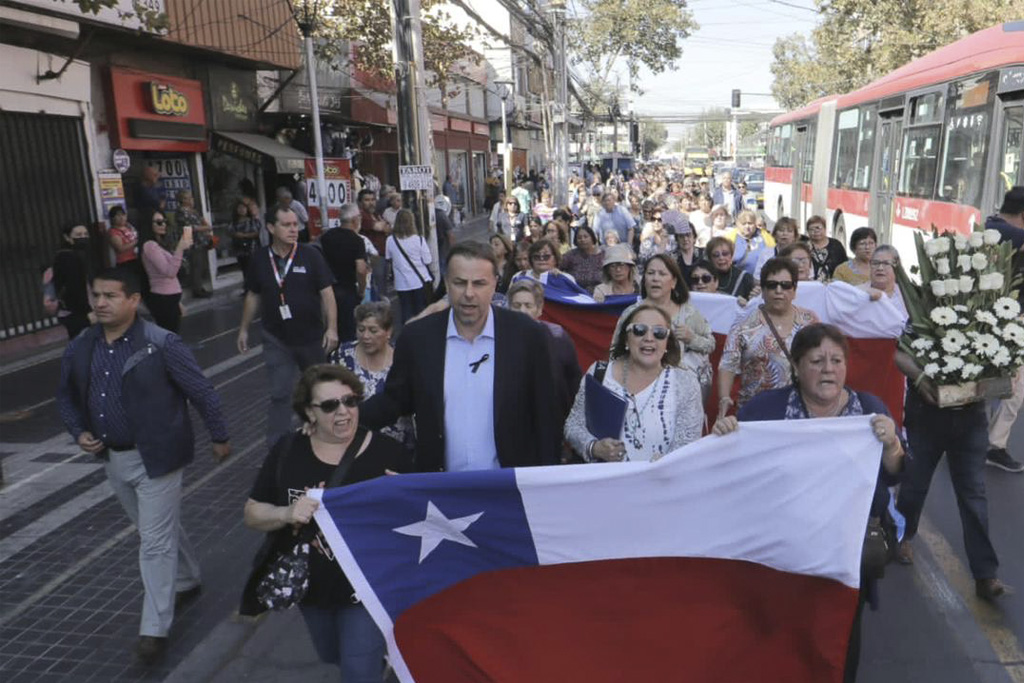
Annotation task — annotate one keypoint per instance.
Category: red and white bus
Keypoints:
(937, 141)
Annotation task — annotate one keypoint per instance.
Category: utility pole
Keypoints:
(506, 153)
(306, 18)
(561, 120)
(615, 129)
(408, 56)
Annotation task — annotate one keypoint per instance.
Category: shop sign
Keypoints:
(122, 162)
(111, 190)
(337, 192)
(156, 113)
(297, 98)
(175, 176)
(416, 178)
(239, 151)
(233, 100)
(166, 100)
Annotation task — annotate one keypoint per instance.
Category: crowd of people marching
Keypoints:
(467, 383)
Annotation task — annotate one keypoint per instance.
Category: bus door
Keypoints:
(801, 148)
(1010, 170)
(890, 136)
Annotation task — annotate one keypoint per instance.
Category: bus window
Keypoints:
(785, 149)
(808, 151)
(865, 149)
(920, 159)
(845, 163)
(1009, 162)
(773, 147)
(967, 131)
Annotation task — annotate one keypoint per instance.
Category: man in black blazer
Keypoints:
(477, 378)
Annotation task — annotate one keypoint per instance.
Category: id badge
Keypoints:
(286, 313)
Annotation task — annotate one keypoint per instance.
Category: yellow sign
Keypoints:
(166, 100)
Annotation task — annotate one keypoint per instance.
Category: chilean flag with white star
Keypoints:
(733, 559)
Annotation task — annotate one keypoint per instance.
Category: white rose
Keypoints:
(966, 284)
(952, 287)
(963, 262)
(985, 282)
(979, 261)
(997, 280)
(931, 248)
(991, 236)
(942, 244)
(938, 287)
(942, 266)
(976, 240)
(960, 242)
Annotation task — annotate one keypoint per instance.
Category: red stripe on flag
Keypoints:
(591, 330)
(652, 619)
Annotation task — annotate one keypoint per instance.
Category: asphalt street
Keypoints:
(70, 591)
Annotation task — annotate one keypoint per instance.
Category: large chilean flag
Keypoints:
(871, 327)
(733, 559)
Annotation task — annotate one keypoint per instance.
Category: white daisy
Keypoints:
(943, 315)
(1006, 308)
(1014, 333)
(985, 317)
(987, 344)
(1002, 357)
(932, 369)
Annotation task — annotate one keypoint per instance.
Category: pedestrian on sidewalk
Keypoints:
(161, 258)
(331, 446)
(345, 251)
(291, 285)
(202, 243)
(124, 395)
(72, 269)
(409, 256)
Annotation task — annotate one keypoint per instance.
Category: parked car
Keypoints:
(755, 186)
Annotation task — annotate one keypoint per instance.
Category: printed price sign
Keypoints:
(337, 192)
(416, 178)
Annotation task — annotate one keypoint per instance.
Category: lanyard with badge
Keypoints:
(286, 312)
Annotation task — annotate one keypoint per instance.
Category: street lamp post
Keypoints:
(306, 16)
(561, 170)
(506, 154)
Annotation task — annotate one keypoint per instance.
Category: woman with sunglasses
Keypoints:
(753, 351)
(161, 258)
(619, 273)
(703, 278)
(732, 279)
(512, 222)
(664, 410)
(663, 286)
(654, 238)
(326, 399)
(544, 259)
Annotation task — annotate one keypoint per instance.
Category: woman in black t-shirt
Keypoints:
(327, 400)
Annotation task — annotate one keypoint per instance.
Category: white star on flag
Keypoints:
(436, 528)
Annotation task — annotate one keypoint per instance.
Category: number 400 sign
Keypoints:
(337, 192)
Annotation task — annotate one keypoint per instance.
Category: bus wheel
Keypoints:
(839, 231)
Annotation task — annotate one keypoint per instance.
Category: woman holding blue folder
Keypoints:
(641, 405)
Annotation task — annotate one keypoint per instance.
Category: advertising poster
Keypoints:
(338, 191)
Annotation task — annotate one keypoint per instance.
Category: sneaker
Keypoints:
(989, 589)
(998, 457)
(905, 553)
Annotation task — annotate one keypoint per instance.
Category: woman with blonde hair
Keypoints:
(410, 258)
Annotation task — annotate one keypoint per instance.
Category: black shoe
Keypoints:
(989, 589)
(150, 648)
(181, 597)
(998, 457)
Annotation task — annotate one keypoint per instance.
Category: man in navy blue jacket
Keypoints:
(124, 393)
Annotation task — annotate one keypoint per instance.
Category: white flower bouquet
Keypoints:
(967, 331)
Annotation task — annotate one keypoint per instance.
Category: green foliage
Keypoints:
(149, 18)
(643, 32)
(858, 41)
(445, 45)
(653, 135)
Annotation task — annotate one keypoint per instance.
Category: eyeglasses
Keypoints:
(800, 260)
(705, 278)
(159, 222)
(784, 285)
(660, 332)
(721, 254)
(543, 256)
(332, 404)
(879, 264)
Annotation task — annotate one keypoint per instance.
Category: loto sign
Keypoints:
(337, 192)
(167, 100)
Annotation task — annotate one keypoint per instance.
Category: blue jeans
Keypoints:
(962, 434)
(285, 363)
(412, 303)
(347, 636)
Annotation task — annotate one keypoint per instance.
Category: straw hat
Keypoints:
(709, 220)
(618, 253)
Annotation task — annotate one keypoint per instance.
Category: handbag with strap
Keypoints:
(428, 285)
(280, 579)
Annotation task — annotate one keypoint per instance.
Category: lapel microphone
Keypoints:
(475, 365)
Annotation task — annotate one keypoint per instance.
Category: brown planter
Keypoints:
(952, 395)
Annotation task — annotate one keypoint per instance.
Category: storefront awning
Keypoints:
(261, 150)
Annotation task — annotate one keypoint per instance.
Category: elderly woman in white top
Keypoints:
(664, 410)
(882, 283)
(663, 286)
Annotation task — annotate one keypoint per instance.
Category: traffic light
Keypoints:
(634, 132)
(736, 99)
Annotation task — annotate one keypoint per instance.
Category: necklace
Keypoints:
(635, 431)
(832, 410)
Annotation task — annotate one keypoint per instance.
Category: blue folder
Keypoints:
(606, 410)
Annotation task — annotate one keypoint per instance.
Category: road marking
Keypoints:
(988, 617)
(110, 543)
(55, 518)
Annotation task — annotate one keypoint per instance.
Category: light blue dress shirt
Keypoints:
(469, 400)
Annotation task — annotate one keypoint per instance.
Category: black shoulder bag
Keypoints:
(280, 575)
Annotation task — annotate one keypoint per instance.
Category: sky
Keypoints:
(732, 49)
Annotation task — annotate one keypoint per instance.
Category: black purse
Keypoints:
(280, 576)
(876, 551)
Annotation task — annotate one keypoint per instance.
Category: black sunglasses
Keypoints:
(332, 404)
(543, 256)
(705, 278)
(159, 222)
(640, 330)
(778, 284)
